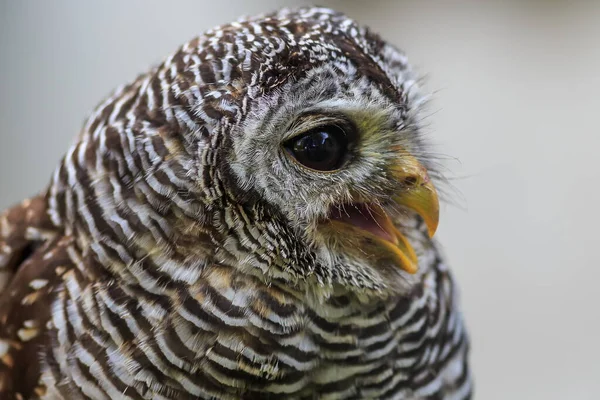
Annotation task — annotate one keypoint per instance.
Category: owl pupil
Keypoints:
(322, 149)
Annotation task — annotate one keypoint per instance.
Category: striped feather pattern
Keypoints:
(153, 273)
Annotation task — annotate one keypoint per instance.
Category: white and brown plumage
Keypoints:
(250, 219)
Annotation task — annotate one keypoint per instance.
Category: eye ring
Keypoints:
(322, 149)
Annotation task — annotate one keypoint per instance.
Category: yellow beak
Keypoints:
(419, 193)
(388, 243)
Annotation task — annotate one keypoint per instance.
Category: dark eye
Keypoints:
(322, 149)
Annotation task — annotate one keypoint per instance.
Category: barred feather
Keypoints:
(151, 269)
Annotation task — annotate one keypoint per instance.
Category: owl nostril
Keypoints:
(410, 181)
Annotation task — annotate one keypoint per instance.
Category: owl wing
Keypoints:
(23, 229)
(29, 251)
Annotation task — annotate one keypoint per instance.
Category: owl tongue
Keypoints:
(368, 217)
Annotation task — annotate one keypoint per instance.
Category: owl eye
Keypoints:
(321, 149)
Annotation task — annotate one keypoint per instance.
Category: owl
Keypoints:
(251, 219)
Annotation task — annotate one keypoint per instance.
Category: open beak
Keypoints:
(367, 228)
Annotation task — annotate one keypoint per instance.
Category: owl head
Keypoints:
(323, 154)
(286, 145)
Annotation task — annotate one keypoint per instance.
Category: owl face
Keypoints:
(328, 163)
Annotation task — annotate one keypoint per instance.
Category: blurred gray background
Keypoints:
(517, 86)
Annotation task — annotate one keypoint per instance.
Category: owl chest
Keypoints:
(210, 342)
